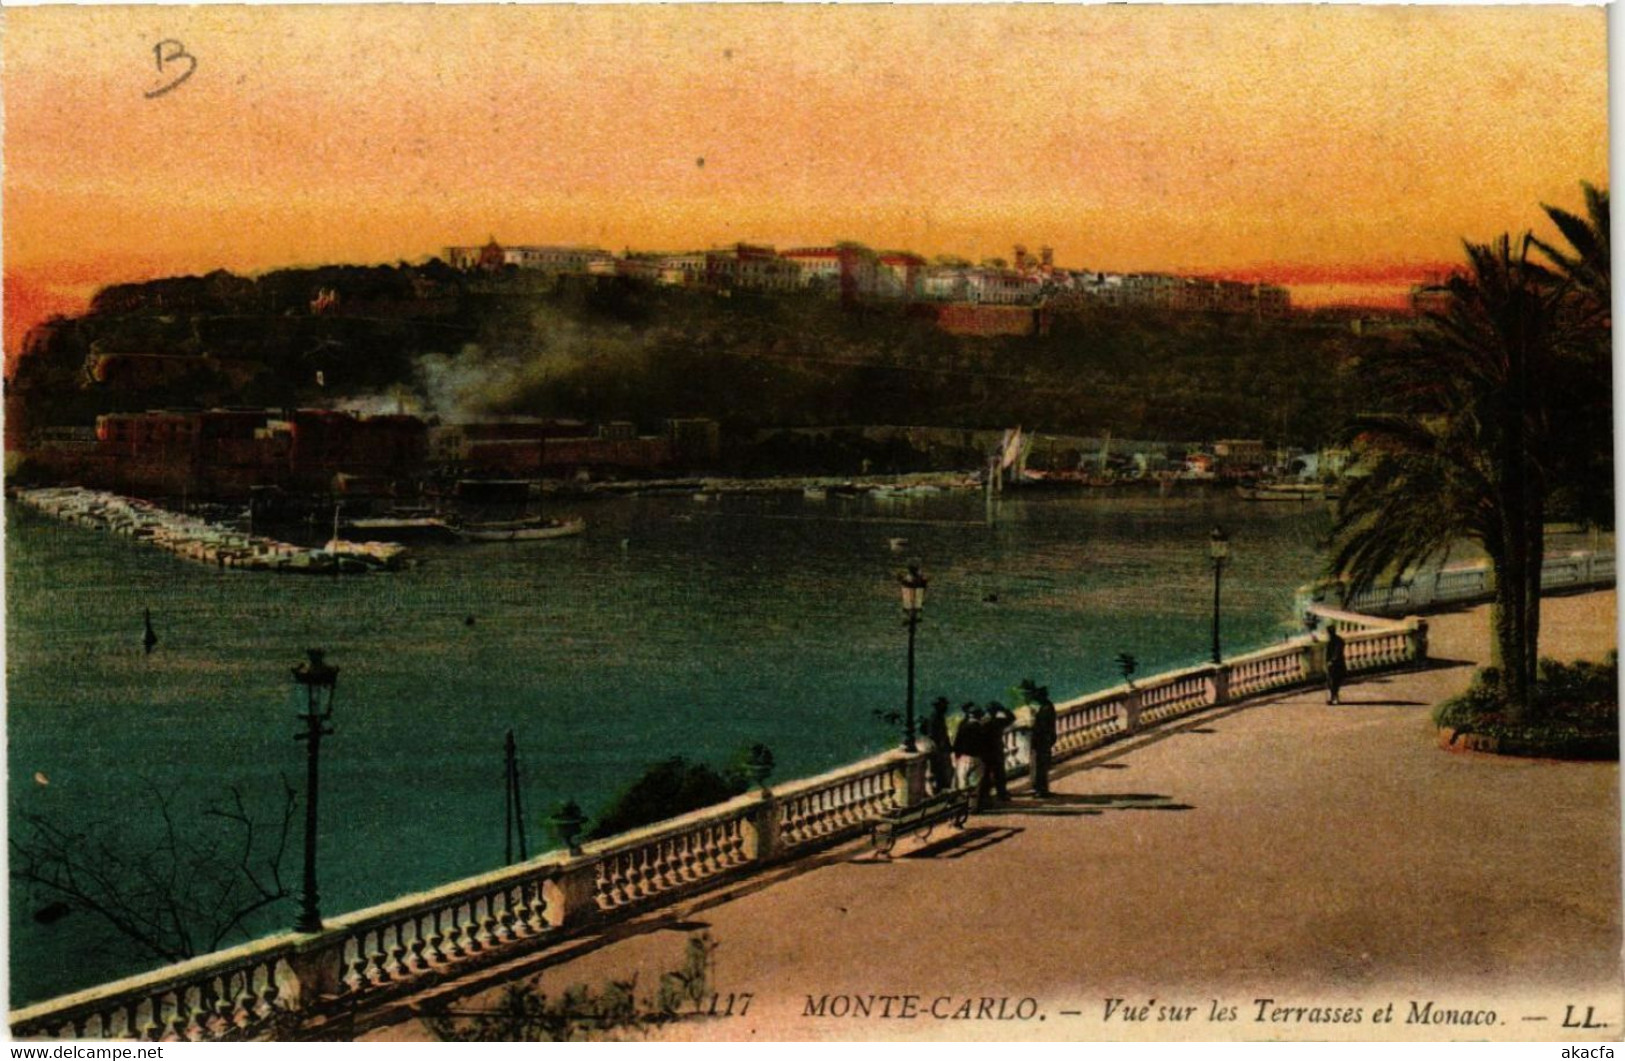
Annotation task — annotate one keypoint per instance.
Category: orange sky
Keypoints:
(1344, 148)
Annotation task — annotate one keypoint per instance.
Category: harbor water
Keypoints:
(673, 626)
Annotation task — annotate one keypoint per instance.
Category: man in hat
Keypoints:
(941, 756)
(1337, 667)
(1043, 734)
(968, 744)
(999, 719)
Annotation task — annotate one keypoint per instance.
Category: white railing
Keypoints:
(1090, 721)
(1172, 695)
(241, 992)
(843, 801)
(376, 955)
(1461, 584)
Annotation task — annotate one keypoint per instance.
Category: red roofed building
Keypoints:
(847, 268)
(899, 275)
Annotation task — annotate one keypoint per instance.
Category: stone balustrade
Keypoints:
(842, 801)
(1462, 584)
(637, 868)
(387, 951)
(1090, 721)
(1171, 695)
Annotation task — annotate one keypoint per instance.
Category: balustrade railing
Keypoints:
(1090, 721)
(1176, 694)
(842, 801)
(1270, 669)
(1464, 583)
(636, 868)
(383, 952)
(1375, 649)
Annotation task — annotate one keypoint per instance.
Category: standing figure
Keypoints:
(968, 745)
(999, 719)
(941, 754)
(149, 640)
(1336, 665)
(1043, 739)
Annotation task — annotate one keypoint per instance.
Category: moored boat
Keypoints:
(1283, 492)
(523, 530)
(401, 528)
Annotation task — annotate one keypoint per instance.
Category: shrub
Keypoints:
(667, 789)
(1576, 711)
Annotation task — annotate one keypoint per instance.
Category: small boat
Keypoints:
(522, 530)
(1282, 492)
(401, 528)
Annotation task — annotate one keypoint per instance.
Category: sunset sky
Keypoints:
(1343, 151)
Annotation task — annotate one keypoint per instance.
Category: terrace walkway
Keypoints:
(1276, 849)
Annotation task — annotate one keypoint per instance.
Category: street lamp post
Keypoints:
(320, 682)
(1218, 550)
(913, 586)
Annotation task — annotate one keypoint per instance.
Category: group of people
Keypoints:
(973, 753)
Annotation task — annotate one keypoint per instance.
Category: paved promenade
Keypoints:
(1328, 858)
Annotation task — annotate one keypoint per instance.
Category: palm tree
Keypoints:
(1583, 374)
(1501, 403)
(1585, 264)
(1466, 453)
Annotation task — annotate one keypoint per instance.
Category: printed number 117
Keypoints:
(723, 1005)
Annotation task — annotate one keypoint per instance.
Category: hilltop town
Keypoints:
(858, 272)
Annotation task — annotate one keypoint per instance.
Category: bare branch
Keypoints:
(191, 887)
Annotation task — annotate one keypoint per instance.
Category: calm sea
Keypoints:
(673, 626)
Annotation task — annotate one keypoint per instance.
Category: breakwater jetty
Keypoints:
(204, 542)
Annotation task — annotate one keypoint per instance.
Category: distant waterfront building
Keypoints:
(640, 266)
(228, 452)
(1159, 291)
(1001, 287)
(551, 259)
(847, 268)
(1239, 456)
(683, 270)
(489, 257)
(899, 275)
(540, 257)
(854, 271)
(1273, 300)
(694, 441)
(750, 266)
(1151, 290)
(944, 283)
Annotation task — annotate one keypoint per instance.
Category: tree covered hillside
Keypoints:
(463, 346)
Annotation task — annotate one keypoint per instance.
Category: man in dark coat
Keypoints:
(999, 719)
(942, 754)
(1043, 737)
(968, 747)
(1336, 665)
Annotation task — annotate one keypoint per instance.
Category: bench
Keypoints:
(953, 803)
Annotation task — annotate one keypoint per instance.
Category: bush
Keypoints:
(1576, 712)
(667, 789)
